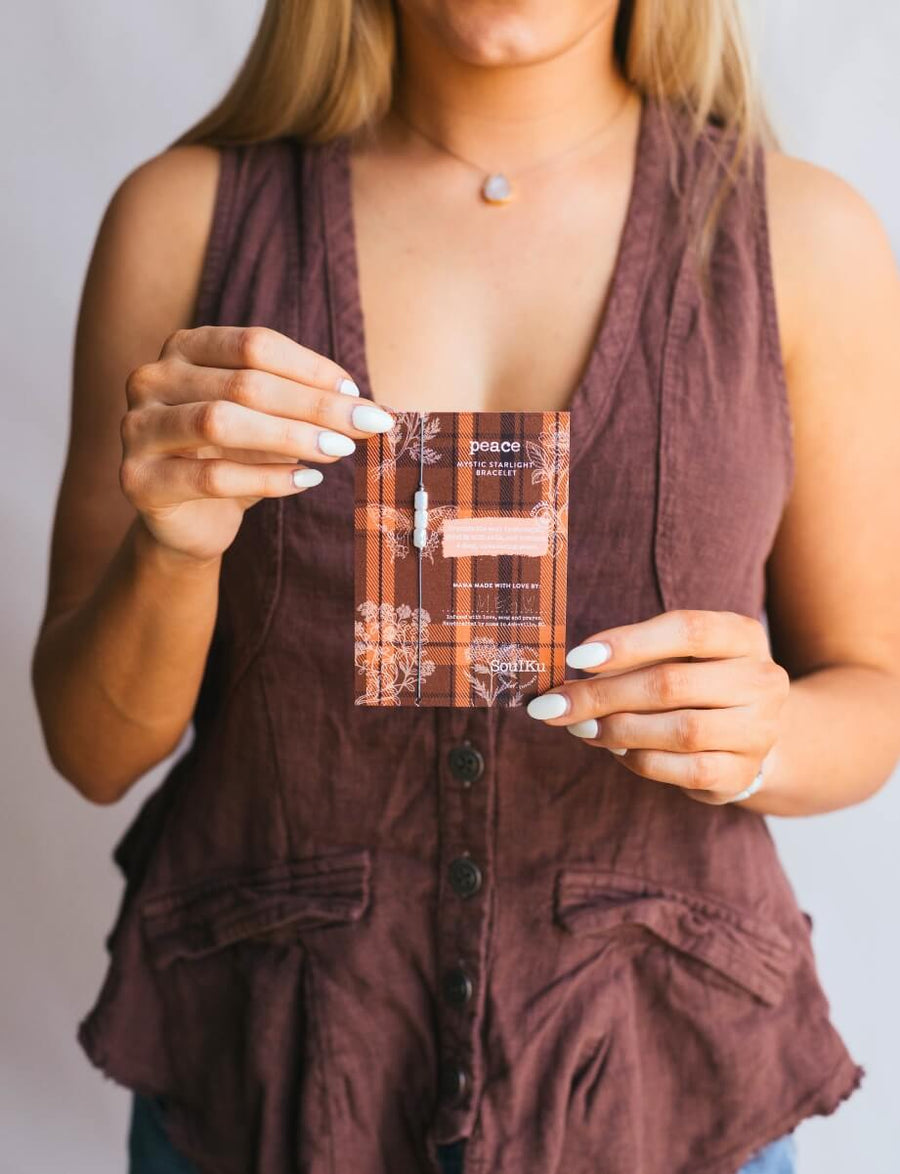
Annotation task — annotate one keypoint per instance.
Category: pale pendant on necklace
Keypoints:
(497, 189)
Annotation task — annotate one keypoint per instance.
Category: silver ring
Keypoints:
(748, 791)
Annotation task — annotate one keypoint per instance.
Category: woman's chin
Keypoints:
(498, 34)
(499, 42)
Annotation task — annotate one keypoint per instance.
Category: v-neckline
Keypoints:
(593, 394)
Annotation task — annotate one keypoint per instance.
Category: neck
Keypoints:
(509, 114)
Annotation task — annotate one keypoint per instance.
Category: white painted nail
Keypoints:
(589, 728)
(348, 387)
(368, 418)
(588, 656)
(306, 478)
(548, 705)
(335, 444)
(616, 750)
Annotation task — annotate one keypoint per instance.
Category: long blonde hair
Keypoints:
(322, 68)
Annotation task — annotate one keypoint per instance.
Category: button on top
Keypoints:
(465, 876)
(466, 763)
(453, 1081)
(457, 986)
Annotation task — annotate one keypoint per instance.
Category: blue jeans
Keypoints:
(150, 1151)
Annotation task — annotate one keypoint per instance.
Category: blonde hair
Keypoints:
(318, 69)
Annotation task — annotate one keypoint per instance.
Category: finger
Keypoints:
(666, 686)
(174, 381)
(685, 731)
(260, 348)
(183, 427)
(681, 633)
(167, 481)
(714, 773)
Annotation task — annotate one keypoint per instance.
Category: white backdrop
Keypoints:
(89, 90)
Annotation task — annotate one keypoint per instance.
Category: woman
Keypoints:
(399, 940)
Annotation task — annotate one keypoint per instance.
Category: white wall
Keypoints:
(88, 91)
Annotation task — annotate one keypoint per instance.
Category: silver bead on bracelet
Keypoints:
(751, 790)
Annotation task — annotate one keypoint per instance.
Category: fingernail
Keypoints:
(549, 705)
(617, 750)
(588, 656)
(368, 418)
(589, 728)
(335, 444)
(348, 387)
(306, 478)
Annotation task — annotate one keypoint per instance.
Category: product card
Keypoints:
(461, 544)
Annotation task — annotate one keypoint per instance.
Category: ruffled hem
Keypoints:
(132, 1083)
(821, 1101)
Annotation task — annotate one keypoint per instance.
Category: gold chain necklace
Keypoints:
(497, 186)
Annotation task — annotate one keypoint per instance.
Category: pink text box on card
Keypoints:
(468, 537)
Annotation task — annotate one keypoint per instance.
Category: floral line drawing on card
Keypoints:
(558, 518)
(386, 650)
(403, 440)
(549, 455)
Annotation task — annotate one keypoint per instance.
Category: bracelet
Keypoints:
(751, 790)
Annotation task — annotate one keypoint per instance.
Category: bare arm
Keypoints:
(113, 696)
(834, 574)
(699, 699)
(174, 434)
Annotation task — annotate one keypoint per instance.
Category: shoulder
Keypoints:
(176, 190)
(813, 200)
(831, 255)
(182, 172)
(152, 237)
(165, 205)
(157, 224)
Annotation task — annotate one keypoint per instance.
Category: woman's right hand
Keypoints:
(221, 420)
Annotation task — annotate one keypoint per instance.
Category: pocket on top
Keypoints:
(276, 903)
(754, 955)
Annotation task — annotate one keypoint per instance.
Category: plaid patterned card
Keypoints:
(463, 602)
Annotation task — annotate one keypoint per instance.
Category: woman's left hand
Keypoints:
(691, 698)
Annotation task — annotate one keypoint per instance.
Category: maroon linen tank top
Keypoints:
(350, 934)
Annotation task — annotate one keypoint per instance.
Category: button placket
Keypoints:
(454, 1081)
(465, 876)
(466, 763)
(466, 802)
(457, 985)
